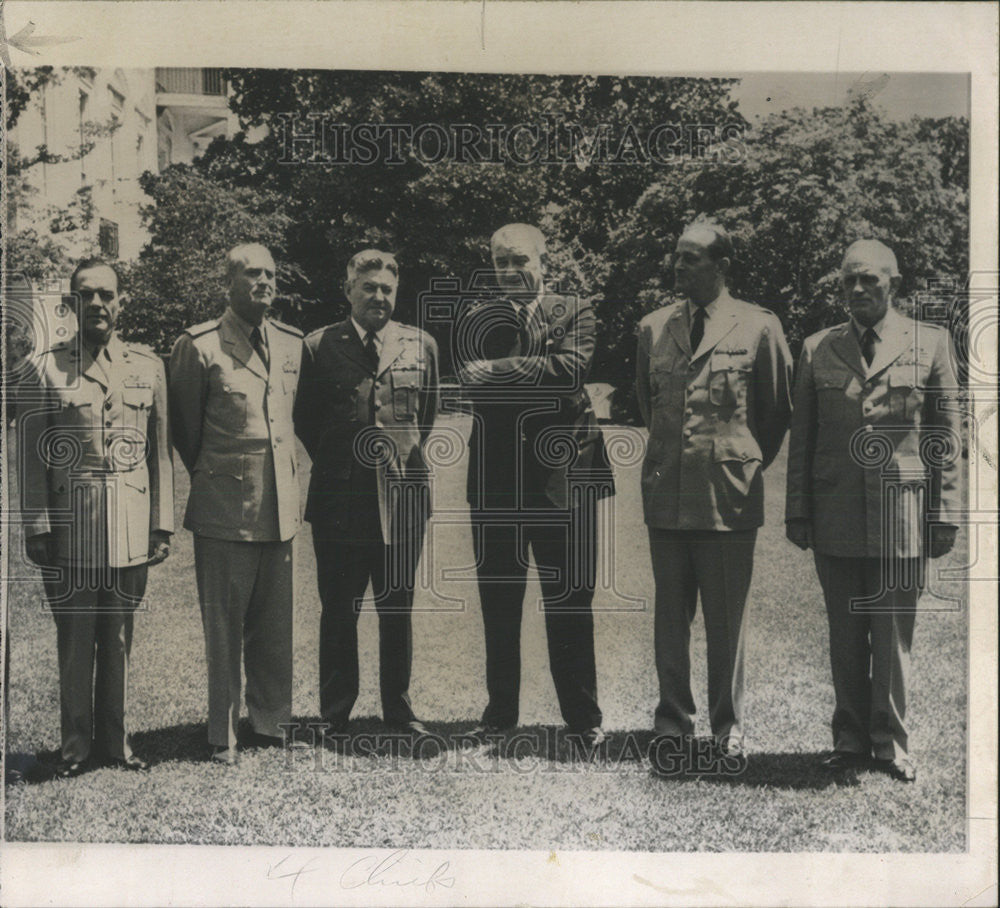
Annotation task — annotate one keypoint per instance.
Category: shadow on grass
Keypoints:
(368, 736)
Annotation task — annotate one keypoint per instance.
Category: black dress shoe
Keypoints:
(132, 763)
(842, 760)
(482, 737)
(67, 769)
(902, 770)
(414, 737)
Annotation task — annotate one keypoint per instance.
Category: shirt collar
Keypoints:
(363, 332)
(710, 308)
(246, 327)
(878, 328)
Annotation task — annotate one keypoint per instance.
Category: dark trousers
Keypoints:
(344, 570)
(93, 610)
(718, 565)
(566, 558)
(869, 651)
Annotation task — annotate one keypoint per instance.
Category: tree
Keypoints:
(807, 185)
(179, 278)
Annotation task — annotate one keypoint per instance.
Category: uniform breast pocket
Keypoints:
(727, 386)
(136, 404)
(75, 421)
(405, 387)
(832, 400)
(905, 393)
(229, 408)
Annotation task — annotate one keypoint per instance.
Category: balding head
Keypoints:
(873, 252)
(518, 252)
(869, 277)
(250, 273)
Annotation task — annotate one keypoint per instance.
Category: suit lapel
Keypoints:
(846, 346)
(896, 338)
(237, 344)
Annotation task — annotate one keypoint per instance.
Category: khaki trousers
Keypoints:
(245, 589)
(93, 610)
(717, 564)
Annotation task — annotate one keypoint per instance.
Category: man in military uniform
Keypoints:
(873, 490)
(713, 378)
(97, 491)
(367, 403)
(232, 387)
(537, 467)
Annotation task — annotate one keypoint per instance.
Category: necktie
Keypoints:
(868, 345)
(257, 341)
(697, 328)
(371, 353)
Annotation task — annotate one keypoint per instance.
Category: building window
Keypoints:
(107, 238)
(181, 80)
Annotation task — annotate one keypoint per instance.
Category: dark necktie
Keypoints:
(371, 353)
(697, 328)
(258, 344)
(868, 345)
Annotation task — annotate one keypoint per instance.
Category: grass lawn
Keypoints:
(539, 799)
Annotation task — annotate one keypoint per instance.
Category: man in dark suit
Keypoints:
(713, 379)
(366, 405)
(873, 490)
(537, 466)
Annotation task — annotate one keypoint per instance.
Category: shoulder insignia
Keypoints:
(142, 349)
(281, 326)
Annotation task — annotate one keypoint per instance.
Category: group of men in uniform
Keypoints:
(714, 385)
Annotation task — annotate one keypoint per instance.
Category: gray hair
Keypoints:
(371, 260)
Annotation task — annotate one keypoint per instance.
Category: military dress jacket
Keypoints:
(347, 415)
(94, 452)
(716, 415)
(874, 451)
(535, 442)
(232, 426)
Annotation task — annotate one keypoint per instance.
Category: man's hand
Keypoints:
(475, 372)
(159, 546)
(39, 548)
(800, 532)
(941, 539)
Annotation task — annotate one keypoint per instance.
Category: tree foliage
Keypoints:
(179, 278)
(794, 190)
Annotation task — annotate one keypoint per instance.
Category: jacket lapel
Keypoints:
(392, 346)
(717, 326)
(345, 337)
(93, 369)
(846, 346)
(896, 337)
(679, 329)
(237, 344)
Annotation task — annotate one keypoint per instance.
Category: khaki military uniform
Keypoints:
(717, 416)
(232, 420)
(96, 475)
(872, 460)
